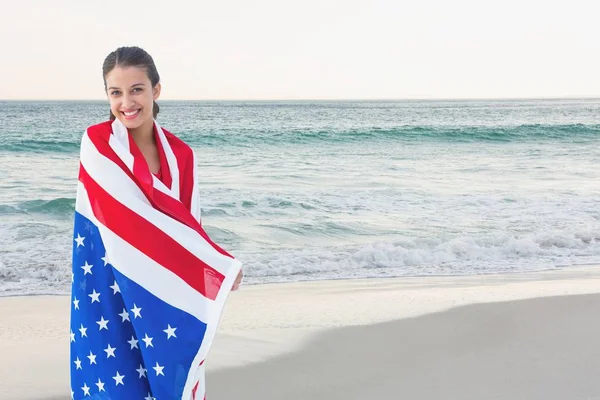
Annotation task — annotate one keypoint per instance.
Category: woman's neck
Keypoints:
(144, 134)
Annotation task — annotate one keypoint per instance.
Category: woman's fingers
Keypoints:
(238, 281)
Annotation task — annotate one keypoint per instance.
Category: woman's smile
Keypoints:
(131, 114)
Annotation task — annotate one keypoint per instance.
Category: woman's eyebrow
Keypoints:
(137, 84)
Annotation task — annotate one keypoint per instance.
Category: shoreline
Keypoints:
(550, 270)
(263, 323)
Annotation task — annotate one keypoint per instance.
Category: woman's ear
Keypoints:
(156, 91)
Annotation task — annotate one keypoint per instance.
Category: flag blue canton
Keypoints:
(125, 342)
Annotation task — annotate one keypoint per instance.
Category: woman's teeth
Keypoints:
(129, 114)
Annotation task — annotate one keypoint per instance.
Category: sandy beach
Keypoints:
(512, 336)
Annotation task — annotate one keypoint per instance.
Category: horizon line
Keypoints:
(337, 99)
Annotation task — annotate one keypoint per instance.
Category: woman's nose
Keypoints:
(128, 101)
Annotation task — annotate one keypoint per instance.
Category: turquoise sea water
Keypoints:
(327, 190)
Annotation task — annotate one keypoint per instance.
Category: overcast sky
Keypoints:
(309, 49)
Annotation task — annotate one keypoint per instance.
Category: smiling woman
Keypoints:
(148, 284)
(132, 84)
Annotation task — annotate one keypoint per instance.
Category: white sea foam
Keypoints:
(463, 255)
(30, 268)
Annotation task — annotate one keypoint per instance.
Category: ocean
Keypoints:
(306, 190)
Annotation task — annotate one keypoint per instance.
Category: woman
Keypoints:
(148, 283)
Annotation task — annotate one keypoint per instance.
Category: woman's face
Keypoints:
(131, 95)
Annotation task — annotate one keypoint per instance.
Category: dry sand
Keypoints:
(546, 349)
(405, 338)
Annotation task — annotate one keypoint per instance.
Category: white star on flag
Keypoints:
(83, 331)
(92, 358)
(77, 363)
(79, 240)
(72, 337)
(159, 369)
(115, 288)
(110, 351)
(136, 311)
(76, 303)
(86, 389)
(105, 259)
(87, 269)
(149, 397)
(100, 385)
(133, 342)
(103, 323)
(125, 316)
(170, 332)
(148, 341)
(142, 371)
(95, 296)
(118, 379)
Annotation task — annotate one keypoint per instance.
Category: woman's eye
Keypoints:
(115, 93)
(137, 89)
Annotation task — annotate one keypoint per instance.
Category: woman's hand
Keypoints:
(238, 281)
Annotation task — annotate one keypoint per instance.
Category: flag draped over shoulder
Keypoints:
(148, 284)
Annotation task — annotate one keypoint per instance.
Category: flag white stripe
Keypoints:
(158, 185)
(171, 160)
(195, 204)
(120, 132)
(200, 378)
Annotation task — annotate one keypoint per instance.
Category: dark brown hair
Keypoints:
(132, 57)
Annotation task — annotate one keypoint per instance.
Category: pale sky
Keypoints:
(309, 49)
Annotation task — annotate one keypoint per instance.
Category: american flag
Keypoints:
(148, 285)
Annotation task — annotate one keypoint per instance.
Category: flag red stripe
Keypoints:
(150, 240)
